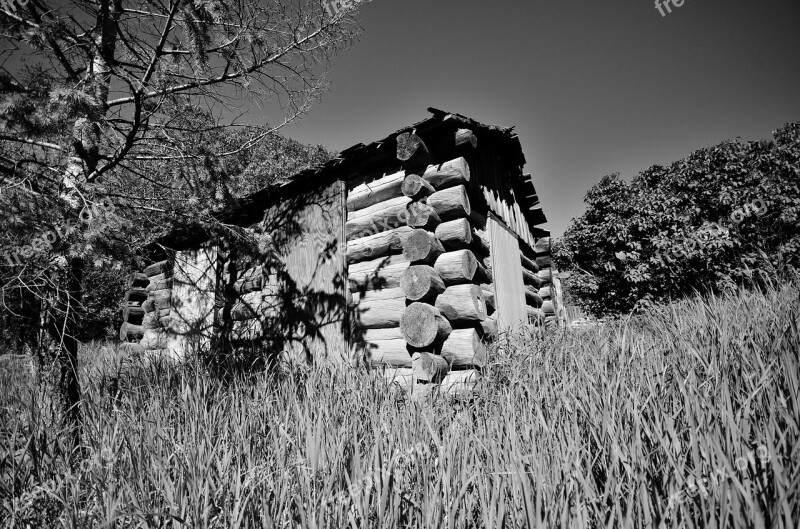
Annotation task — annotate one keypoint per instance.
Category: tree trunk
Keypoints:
(63, 325)
(225, 296)
(86, 141)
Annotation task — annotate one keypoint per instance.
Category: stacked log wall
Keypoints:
(165, 320)
(147, 310)
(538, 265)
(419, 273)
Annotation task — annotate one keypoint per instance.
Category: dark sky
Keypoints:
(593, 87)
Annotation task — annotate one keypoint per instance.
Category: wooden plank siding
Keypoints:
(509, 295)
(315, 260)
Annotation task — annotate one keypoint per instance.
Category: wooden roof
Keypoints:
(361, 159)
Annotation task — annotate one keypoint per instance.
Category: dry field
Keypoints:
(684, 417)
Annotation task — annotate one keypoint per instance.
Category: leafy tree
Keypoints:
(725, 215)
(97, 96)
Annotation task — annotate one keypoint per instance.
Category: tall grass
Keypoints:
(689, 417)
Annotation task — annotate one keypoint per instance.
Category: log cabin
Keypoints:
(408, 253)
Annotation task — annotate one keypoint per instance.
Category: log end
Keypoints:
(466, 138)
(421, 325)
(429, 367)
(422, 247)
(415, 188)
(421, 283)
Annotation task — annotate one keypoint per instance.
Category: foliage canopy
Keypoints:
(725, 215)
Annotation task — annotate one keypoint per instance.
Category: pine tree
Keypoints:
(95, 94)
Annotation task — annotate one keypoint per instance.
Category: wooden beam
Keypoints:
(537, 216)
(545, 276)
(456, 267)
(133, 314)
(462, 303)
(412, 151)
(464, 348)
(440, 176)
(466, 138)
(421, 283)
(130, 332)
(377, 274)
(422, 216)
(527, 263)
(139, 279)
(429, 367)
(421, 325)
(380, 217)
(532, 298)
(379, 309)
(529, 278)
(536, 316)
(455, 234)
(460, 384)
(136, 294)
(161, 267)
(415, 187)
(377, 245)
(489, 328)
(451, 203)
(543, 245)
(422, 247)
(389, 352)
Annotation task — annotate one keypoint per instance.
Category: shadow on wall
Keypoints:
(258, 293)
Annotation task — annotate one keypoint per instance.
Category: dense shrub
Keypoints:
(725, 215)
